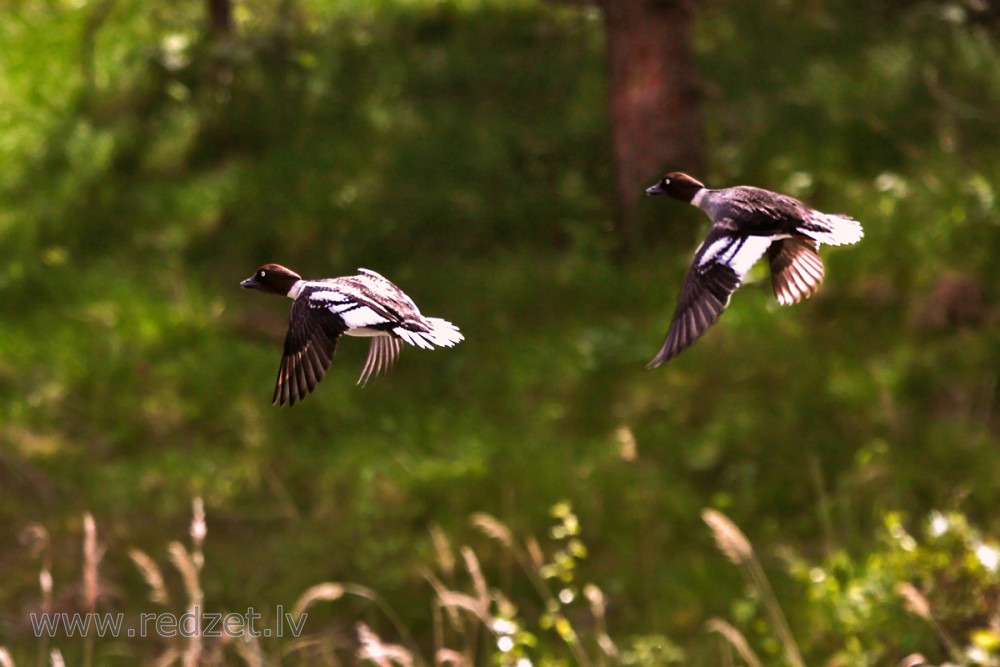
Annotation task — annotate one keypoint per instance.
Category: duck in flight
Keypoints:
(365, 305)
(747, 222)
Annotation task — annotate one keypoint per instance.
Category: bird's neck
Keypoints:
(293, 291)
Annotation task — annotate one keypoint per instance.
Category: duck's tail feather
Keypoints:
(434, 332)
(833, 229)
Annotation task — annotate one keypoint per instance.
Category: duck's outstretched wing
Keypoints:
(717, 270)
(310, 344)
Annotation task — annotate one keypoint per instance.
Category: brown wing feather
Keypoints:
(796, 269)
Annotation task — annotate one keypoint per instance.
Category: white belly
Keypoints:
(365, 332)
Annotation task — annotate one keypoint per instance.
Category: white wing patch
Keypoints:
(355, 315)
(717, 246)
(331, 295)
(359, 317)
(738, 253)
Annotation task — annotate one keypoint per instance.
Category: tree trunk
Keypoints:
(220, 17)
(655, 99)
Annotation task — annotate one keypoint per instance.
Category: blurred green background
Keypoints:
(462, 149)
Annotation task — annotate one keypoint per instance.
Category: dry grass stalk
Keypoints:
(493, 528)
(917, 604)
(168, 657)
(598, 609)
(531, 564)
(45, 584)
(316, 645)
(369, 594)
(535, 553)
(151, 573)
(823, 508)
(736, 547)
(776, 617)
(596, 599)
(198, 530)
(55, 657)
(912, 660)
(726, 657)
(185, 564)
(914, 600)
(91, 557)
(190, 565)
(438, 624)
(731, 541)
(326, 591)
(36, 538)
(443, 551)
(447, 656)
(440, 588)
(189, 571)
(628, 449)
(735, 639)
(467, 602)
(248, 648)
(478, 580)
(5, 659)
(381, 653)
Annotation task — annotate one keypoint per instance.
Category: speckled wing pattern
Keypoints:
(718, 268)
(371, 290)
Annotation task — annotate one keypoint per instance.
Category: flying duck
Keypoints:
(365, 305)
(747, 222)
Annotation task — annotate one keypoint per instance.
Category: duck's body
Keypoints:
(747, 222)
(365, 305)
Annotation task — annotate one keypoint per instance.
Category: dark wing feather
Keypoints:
(796, 269)
(309, 348)
(703, 298)
(716, 272)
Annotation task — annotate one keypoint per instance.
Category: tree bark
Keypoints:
(220, 17)
(654, 97)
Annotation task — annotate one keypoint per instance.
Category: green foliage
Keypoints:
(461, 148)
(935, 594)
